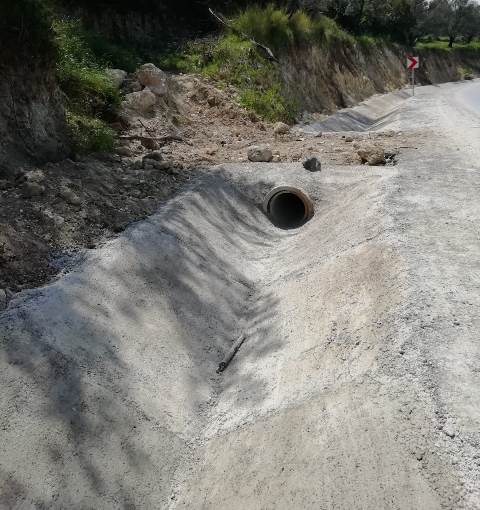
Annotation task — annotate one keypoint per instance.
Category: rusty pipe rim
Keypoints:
(288, 207)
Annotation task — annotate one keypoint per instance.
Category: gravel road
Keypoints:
(357, 384)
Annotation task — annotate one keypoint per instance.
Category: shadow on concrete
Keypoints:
(95, 366)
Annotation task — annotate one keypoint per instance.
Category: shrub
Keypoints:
(273, 27)
(269, 25)
(89, 134)
(91, 97)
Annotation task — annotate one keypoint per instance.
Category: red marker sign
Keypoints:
(412, 62)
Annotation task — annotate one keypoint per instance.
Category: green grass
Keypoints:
(369, 41)
(442, 44)
(91, 97)
(273, 27)
(231, 59)
(89, 133)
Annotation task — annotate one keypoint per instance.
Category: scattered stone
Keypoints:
(449, 429)
(149, 143)
(348, 139)
(124, 151)
(258, 154)
(154, 78)
(419, 454)
(373, 156)
(3, 299)
(117, 76)
(141, 102)
(32, 189)
(54, 217)
(130, 86)
(35, 176)
(138, 164)
(318, 135)
(280, 128)
(156, 155)
(69, 196)
(164, 165)
(469, 76)
(213, 101)
(4, 184)
(210, 151)
(276, 158)
(312, 164)
(253, 117)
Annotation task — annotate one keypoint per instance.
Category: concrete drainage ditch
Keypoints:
(288, 207)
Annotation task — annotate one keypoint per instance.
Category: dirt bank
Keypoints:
(323, 79)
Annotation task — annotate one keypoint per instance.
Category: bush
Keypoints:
(91, 96)
(89, 134)
(113, 54)
(273, 27)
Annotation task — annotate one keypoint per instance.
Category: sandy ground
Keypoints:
(356, 385)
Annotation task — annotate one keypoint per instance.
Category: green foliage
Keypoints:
(443, 44)
(274, 27)
(368, 41)
(91, 96)
(327, 31)
(89, 133)
(115, 55)
(235, 61)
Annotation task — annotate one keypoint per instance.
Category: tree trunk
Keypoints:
(451, 40)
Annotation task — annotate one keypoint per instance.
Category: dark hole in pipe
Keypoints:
(287, 210)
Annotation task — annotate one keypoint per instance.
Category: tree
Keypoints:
(450, 18)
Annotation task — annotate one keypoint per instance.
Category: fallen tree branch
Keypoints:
(166, 138)
(221, 19)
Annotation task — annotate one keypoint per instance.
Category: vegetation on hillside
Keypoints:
(91, 96)
(37, 30)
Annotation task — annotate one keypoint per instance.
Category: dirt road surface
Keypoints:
(356, 387)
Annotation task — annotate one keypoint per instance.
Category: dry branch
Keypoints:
(221, 19)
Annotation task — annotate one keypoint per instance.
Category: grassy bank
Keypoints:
(91, 97)
(232, 59)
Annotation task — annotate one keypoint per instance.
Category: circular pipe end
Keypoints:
(288, 207)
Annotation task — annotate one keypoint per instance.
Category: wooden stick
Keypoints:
(231, 354)
(153, 138)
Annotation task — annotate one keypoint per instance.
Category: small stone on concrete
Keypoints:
(259, 154)
(312, 164)
(449, 430)
(372, 155)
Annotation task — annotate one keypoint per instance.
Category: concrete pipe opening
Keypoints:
(288, 207)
